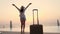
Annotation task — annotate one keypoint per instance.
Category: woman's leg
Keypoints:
(24, 24)
(21, 28)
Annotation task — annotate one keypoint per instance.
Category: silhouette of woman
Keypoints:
(22, 15)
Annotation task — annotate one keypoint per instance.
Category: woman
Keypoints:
(22, 15)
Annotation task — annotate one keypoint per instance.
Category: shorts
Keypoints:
(22, 17)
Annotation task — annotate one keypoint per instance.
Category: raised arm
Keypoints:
(15, 6)
(28, 5)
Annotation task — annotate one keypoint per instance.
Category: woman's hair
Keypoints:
(22, 9)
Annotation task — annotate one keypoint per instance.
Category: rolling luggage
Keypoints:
(36, 28)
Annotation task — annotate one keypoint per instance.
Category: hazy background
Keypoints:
(49, 11)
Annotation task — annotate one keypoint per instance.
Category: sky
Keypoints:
(48, 11)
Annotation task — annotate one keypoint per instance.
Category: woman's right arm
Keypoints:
(15, 6)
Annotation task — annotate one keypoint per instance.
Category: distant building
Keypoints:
(10, 24)
(58, 23)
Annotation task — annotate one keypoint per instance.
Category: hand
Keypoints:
(30, 3)
(13, 4)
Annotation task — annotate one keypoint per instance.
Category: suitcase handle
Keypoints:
(37, 16)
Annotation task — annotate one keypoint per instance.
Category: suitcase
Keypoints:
(36, 28)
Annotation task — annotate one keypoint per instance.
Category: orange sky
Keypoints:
(49, 10)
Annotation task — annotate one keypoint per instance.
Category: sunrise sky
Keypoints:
(49, 11)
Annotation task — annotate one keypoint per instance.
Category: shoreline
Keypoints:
(15, 32)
